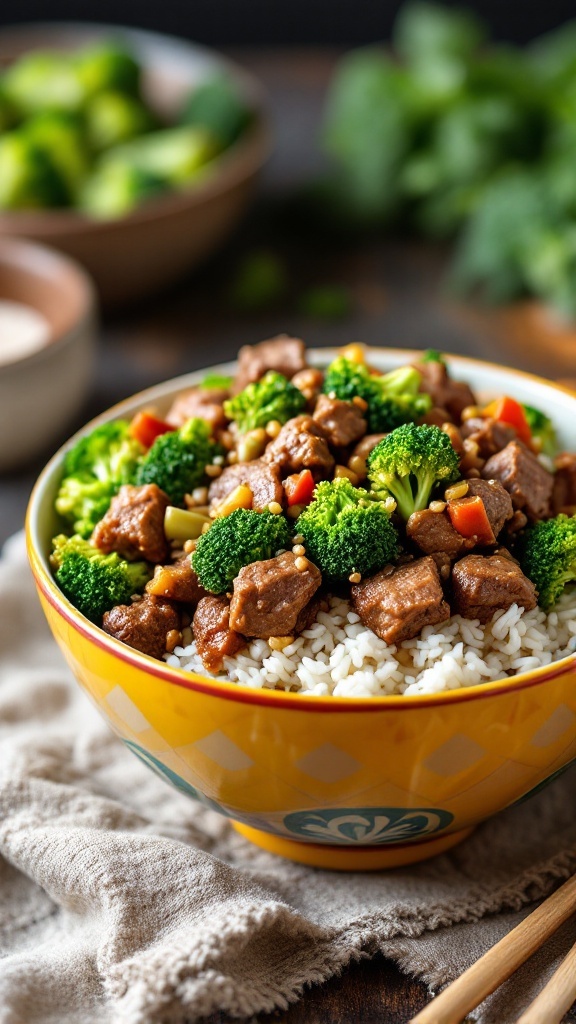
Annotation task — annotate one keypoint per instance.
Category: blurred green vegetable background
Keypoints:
(452, 136)
(76, 131)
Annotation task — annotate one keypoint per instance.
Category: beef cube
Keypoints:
(309, 613)
(564, 494)
(496, 501)
(309, 381)
(206, 403)
(262, 478)
(490, 435)
(270, 595)
(365, 446)
(177, 582)
(482, 584)
(433, 532)
(215, 640)
(436, 417)
(528, 483)
(143, 625)
(301, 444)
(134, 524)
(397, 603)
(284, 354)
(342, 422)
(446, 393)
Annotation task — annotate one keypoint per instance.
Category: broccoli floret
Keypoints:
(217, 381)
(176, 461)
(392, 399)
(272, 397)
(542, 428)
(548, 557)
(94, 471)
(237, 540)
(93, 581)
(116, 188)
(346, 531)
(408, 464)
(432, 355)
(107, 65)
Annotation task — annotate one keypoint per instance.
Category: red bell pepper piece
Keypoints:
(299, 488)
(508, 410)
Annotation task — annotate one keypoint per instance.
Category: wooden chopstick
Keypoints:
(556, 997)
(500, 962)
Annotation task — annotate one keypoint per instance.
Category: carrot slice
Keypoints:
(469, 517)
(145, 428)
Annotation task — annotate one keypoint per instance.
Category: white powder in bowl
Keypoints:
(23, 330)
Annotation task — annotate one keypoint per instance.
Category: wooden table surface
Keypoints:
(399, 300)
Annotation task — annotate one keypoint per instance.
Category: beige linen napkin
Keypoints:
(123, 901)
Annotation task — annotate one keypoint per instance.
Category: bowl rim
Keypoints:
(242, 158)
(240, 693)
(30, 257)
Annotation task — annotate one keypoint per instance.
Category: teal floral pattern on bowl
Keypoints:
(170, 776)
(367, 826)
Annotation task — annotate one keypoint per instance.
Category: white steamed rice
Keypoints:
(338, 655)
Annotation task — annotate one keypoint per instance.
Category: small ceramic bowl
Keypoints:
(138, 254)
(337, 782)
(41, 393)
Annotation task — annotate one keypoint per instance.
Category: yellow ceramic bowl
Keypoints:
(335, 782)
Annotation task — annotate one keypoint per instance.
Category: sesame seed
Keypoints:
(275, 507)
(298, 549)
(301, 564)
(355, 577)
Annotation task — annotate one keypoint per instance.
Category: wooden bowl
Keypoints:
(141, 253)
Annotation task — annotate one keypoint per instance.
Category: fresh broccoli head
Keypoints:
(548, 557)
(408, 464)
(392, 399)
(346, 531)
(542, 429)
(177, 460)
(94, 471)
(237, 540)
(93, 581)
(272, 397)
